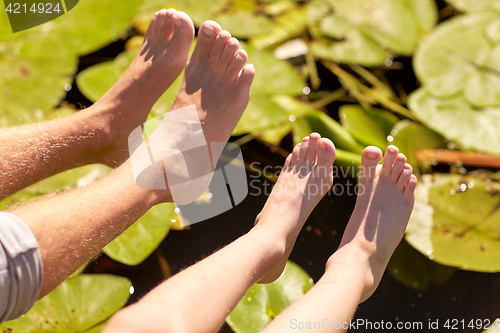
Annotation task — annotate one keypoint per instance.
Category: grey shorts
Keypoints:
(21, 268)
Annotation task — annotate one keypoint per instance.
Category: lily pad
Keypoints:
(369, 127)
(458, 121)
(415, 270)
(460, 57)
(409, 137)
(366, 32)
(472, 6)
(79, 304)
(455, 221)
(263, 302)
(143, 237)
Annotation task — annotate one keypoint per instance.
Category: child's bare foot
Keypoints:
(306, 177)
(158, 63)
(217, 82)
(385, 201)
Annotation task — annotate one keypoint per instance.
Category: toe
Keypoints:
(183, 31)
(167, 25)
(390, 156)
(370, 158)
(218, 46)
(404, 177)
(206, 38)
(303, 150)
(159, 21)
(288, 162)
(398, 167)
(246, 77)
(312, 150)
(295, 154)
(409, 192)
(228, 53)
(239, 60)
(326, 152)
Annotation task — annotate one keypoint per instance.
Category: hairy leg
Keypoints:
(199, 298)
(99, 134)
(376, 227)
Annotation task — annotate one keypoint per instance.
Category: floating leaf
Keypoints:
(455, 221)
(77, 305)
(409, 137)
(143, 237)
(459, 57)
(323, 124)
(369, 127)
(416, 271)
(458, 121)
(263, 302)
(365, 32)
(475, 5)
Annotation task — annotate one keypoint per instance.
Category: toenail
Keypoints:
(208, 30)
(372, 155)
(391, 150)
(177, 20)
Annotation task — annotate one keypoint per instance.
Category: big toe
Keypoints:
(326, 152)
(370, 158)
(206, 37)
(183, 31)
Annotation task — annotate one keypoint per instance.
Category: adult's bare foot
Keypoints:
(385, 201)
(217, 82)
(306, 177)
(158, 63)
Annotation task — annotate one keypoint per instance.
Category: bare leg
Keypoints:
(99, 134)
(199, 298)
(354, 271)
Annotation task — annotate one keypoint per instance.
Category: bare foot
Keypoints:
(217, 82)
(158, 63)
(385, 201)
(306, 177)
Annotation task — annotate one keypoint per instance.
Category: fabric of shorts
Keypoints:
(21, 268)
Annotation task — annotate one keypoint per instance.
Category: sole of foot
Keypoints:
(217, 82)
(305, 178)
(383, 206)
(160, 60)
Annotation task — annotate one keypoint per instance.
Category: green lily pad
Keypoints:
(263, 302)
(77, 305)
(460, 57)
(415, 270)
(366, 32)
(30, 88)
(409, 137)
(143, 237)
(369, 127)
(472, 6)
(458, 121)
(455, 221)
(86, 28)
(323, 124)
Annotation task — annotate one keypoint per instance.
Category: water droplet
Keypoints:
(429, 252)
(395, 271)
(209, 195)
(390, 138)
(131, 290)
(309, 228)
(394, 132)
(173, 220)
(296, 138)
(431, 257)
(310, 263)
(177, 210)
(306, 90)
(333, 232)
(397, 318)
(388, 62)
(463, 187)
(452, 192)
(470, 185)
(292, 118)
(419, 295)
(464, 266)
(67, 87)
(249, 299)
